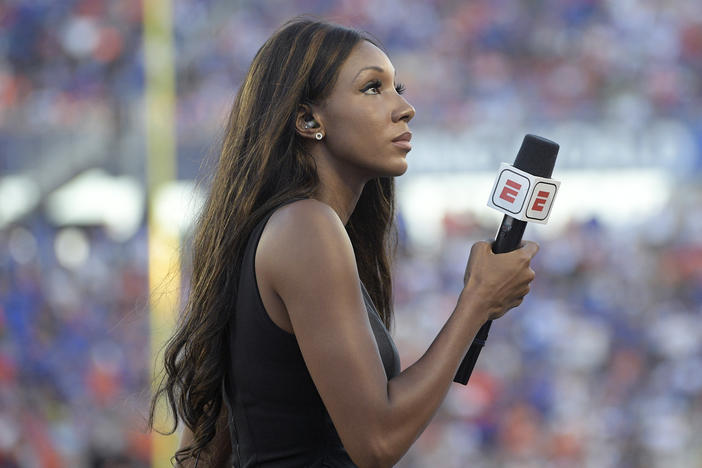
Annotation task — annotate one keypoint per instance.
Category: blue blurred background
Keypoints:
(601, 366)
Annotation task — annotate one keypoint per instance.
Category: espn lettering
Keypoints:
(541, 198)
(522, 195)
(511, 191)
(541, 201)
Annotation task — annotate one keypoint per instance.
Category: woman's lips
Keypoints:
(403, 141)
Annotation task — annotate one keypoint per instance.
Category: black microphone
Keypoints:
(537, 156)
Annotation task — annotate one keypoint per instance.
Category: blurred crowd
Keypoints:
(74, 68)
(601, 366)
(70, 72)
(74, 348)
(469, 62)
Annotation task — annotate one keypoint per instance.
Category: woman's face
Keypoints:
(364, 114)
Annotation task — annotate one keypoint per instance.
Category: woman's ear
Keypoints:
(307, 124)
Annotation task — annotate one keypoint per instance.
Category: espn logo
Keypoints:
(522, 195)
(511, 191)
(541, 201)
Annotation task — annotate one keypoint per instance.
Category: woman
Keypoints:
(283, 357)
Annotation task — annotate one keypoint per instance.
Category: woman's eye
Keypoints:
(376, 85)
(373, 87)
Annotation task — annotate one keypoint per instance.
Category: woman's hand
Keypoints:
(498, 282)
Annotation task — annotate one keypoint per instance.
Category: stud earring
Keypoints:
(319, 135)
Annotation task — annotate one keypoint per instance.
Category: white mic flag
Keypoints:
(522, 195)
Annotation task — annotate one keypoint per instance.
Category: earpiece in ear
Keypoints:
(311, 124)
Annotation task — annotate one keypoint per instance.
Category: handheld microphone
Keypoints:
(524, 192)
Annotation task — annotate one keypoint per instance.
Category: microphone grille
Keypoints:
(537, 156)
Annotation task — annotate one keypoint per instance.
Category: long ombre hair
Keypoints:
(262, 164)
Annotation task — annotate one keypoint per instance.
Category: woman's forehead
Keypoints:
(365, 55)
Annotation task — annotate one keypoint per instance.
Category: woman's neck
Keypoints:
(340, 185)
(342, 198)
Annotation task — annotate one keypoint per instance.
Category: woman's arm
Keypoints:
(317, 280)
(218, 452)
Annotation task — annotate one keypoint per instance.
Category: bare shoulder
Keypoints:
(303, 224)
(303, 244)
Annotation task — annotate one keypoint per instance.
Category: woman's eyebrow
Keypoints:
(372, 67)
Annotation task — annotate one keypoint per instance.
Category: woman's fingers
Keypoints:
(500, 281)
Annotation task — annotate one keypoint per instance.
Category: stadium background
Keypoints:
(600, 367)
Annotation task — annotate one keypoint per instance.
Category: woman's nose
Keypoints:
(405, 111)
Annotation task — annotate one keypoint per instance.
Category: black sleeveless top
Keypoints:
(277, 417)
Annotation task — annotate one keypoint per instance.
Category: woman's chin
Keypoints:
(395, 168)
(401, 168)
